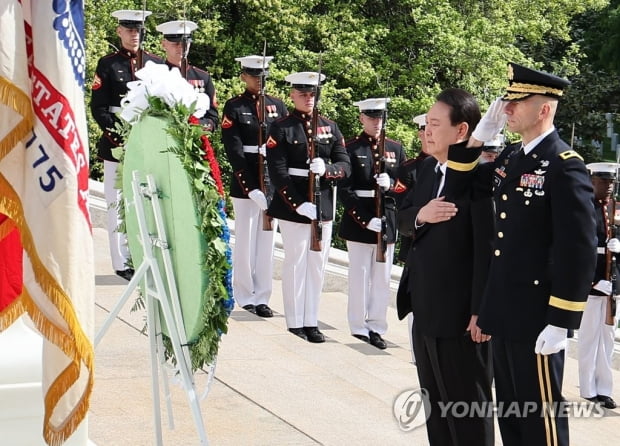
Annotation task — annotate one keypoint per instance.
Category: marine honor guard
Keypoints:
(108, 87)
(241, 124)
(289, 167)
(544, 256)
(374, 181)
(596, 334)
(176, 41)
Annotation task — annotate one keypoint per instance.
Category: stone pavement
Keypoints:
(270, 387)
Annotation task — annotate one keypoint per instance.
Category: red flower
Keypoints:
(215, 167)
(193, 120)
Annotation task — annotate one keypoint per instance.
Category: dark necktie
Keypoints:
(437, 182)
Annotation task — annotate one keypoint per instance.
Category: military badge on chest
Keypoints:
(324, 133)
(198, 84)
(272, 111)
(532, 184)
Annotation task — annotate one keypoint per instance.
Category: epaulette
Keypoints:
(570, 154)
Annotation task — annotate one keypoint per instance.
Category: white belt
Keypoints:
(113, 109)
(365, 193)
(250, 149)
(600, 250)
(298, 172)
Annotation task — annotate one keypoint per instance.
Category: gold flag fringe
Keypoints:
(13, 97)
(10, 314)
(75, 344)
(6, 227)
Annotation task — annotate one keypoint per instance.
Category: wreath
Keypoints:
(164, 93)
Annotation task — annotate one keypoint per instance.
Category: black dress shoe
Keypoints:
(126, 274)
(377, 340)
(263, 310)
(251, 308)
(299, 332)
(593, 399)
(607, 401)
(314, 335)
(362, 338)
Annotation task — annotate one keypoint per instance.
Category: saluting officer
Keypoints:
(544, 256)
(253, 251)
(596, 337)
(176, 42)
(289, 166)
(109, 86)
(369, 280)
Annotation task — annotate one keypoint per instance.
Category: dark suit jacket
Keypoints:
(545, 249)
(447, 265)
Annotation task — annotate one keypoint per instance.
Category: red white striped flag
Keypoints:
(44, 191)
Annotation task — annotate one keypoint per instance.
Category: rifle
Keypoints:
(140, 53)
(314, 181)
(262, 131)
(379, 210)
(184, 47)
(611, 271)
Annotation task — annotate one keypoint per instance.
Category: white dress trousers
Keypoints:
(595, 349)
(369, 288)
(252, 254)
(119, 251)
(302, 273)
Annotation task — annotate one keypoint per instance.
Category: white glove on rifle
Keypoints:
(604, 286)
(317, 166)
(258, 197)
(374, 224)
(551, 340)
(307, 209)
(492, 122)
(262, 150)
(383, 180)
(614, 245)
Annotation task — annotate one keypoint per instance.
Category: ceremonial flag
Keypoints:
(44, 192)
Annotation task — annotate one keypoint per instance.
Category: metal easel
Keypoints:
(159, 299)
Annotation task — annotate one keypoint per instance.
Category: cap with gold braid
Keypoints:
(524, 82)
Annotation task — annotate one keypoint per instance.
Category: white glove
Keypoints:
(492, 122)
(551, 340)
(307, 209)
(383, 180)
(614, 245)
(317, 166)
(374, 224)
(604, 286)
(262, 150)
(258, 197)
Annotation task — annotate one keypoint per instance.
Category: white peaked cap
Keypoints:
(420, 120)
(176, 28)
(372, 104)
(254, 62)
(603, 168)
(304, 78)
(130, 16)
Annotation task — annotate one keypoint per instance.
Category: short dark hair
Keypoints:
(463, 105)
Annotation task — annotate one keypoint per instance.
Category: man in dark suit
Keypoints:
(447, 268)
(544, 257)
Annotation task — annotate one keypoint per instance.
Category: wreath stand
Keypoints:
(159, 298)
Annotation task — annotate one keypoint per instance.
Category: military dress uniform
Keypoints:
(369, 280)
(109, 86)
(596, 337)
(253, 250)
(287, 159)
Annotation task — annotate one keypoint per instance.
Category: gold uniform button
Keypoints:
(497, 253)
(502, 215)
(504, 197)
(536, 282)
(527, 202)
(500, 234)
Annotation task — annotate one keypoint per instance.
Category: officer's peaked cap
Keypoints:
(495, 144)
(603, 170)
(524, 82)
(420, 120)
